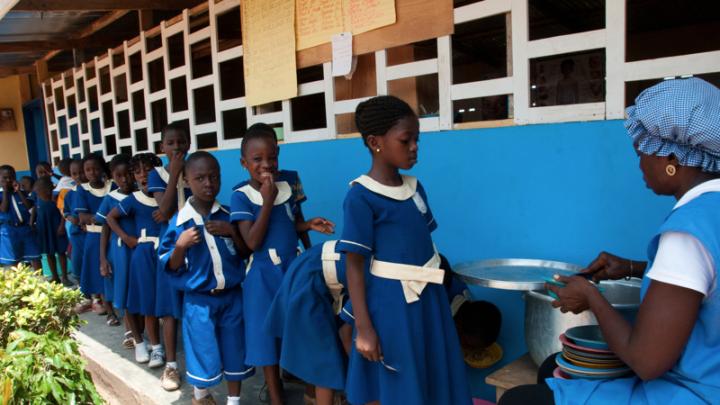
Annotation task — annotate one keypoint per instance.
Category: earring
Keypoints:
(670, 170)
(377, 150)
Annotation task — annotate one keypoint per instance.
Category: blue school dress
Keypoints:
(87, 200)
(142, 293)
(18, 241)
(157, 182)
(213, 325)
(267, 266)
(407, 303)
(49, 219)
(75, 234)
(118, 253)
(695, 378)
(304, 314)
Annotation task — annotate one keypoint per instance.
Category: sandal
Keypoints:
(112, 320)
(128, 342)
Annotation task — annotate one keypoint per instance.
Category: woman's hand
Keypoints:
(575, 296)
(268, 189)
(610, 267)
(318, 224)
(158, 217)
(219, 228)
(130, 241)
(105, 268)
(367, 344)
(188, 238)
(177, 163)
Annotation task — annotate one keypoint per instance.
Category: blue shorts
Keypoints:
(18, 244)
(213, 337)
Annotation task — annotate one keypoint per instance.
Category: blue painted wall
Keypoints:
(557, 191)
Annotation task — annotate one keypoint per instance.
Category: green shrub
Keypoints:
(40, 362)
(30, 303)
(44, 369)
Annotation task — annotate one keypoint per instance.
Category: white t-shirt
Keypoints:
(681, 259)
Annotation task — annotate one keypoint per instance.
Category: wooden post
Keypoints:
(41, 69)
(78, 57)
(145, 19)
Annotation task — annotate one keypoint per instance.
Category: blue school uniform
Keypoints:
(695, 377)
(48, 222)
(87, 201)
(118, 253)
(142, 293)
(18, 241)
(157, 182)
(75, 234)
(408, 305)
(267, 266)
(304, 315)
(213, 326)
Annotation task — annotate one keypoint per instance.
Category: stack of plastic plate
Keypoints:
(586, 355)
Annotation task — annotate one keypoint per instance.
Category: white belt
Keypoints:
(329, 258)
(148, 239)
(413, 278)
(94, 228)
(276, 260)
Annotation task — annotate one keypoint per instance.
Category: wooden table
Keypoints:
(519, 372)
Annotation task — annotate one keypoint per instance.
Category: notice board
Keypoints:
(415, 20)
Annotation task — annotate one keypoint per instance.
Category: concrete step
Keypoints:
(122, 381)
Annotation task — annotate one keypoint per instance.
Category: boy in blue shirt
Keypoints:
(204, 254)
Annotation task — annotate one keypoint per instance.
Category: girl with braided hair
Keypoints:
(406, 346)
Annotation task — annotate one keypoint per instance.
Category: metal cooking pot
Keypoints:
(544, 324)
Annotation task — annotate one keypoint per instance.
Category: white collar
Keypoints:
(400, 193)
(163, 173)
(98, 192)
(284, 193)
(145, 200)
(116, 194)
(188, 212)
(695, 192)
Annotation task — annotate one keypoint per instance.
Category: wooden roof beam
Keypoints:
(88, 5)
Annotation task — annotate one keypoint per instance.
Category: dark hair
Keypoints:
(64, 166)
(9, 168)
(97, 157)
(117, 160)
(45, 164)
(44, 183)
(199, 155)
(32, 181)
(176, 126)
(377, 115)
(259, 130)
(147, 158)
(479, 319)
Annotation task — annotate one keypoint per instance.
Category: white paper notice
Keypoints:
(341, 54)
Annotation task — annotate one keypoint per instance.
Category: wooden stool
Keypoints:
(520, 372)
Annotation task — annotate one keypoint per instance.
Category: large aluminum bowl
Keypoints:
(544, 324)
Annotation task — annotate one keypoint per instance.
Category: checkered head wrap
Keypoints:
(679, 117)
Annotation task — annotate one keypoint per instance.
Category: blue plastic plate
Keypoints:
(589, 373)
(587, 336)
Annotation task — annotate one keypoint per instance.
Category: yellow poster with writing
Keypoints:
(367, 15)
(316, 21)
(268, 28)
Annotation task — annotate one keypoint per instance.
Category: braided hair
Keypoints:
(258, 130)
(377, 115)
(145, 159)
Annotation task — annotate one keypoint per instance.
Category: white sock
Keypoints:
(142, 345)
(200, 393)
(233, 400)
(156, 347)
(171, 364)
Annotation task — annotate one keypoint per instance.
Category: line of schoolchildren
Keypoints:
(153, 242)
